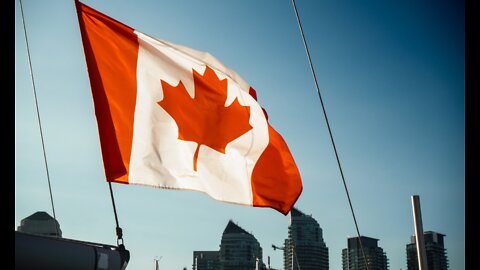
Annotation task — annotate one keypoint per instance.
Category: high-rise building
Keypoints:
(206, 260)
(239, 250)
(434, 249)
(304, 248)
(40, 223)
(353, 259)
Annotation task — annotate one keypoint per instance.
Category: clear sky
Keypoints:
(392, 76)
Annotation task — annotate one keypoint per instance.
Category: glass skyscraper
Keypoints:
(304, 249)
(239, 250)
(434, 249)
(353, 259)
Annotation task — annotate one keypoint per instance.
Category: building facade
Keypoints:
(206, 260)
(304, 249)
(40, 223)
(434, 249)
(353, 259)
(239, 250)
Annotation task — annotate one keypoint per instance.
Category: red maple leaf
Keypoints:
(204, 119)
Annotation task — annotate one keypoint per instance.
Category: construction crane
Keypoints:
(283, 248)
(276, 247)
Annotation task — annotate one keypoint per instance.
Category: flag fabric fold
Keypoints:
(176, 118)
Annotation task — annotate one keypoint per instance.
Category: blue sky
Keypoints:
(392, 76)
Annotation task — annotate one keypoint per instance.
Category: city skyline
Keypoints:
(42, 223)
(392, 78)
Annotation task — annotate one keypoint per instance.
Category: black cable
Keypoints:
(329, 129)
(118, 229)
(39, 122)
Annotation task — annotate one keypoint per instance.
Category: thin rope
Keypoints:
(118, 229)
(329, 129)
(39, 122)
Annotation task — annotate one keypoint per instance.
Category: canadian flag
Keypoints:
(176, 118)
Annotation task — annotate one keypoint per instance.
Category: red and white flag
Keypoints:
(176, 118)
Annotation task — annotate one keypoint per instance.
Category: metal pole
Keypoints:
(293, 258)
(291, 240)
(417, 219)
(156, 262)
